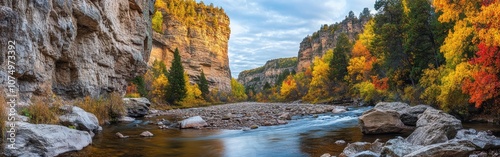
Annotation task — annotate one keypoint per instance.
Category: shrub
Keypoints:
(108, 108)
(41, 111)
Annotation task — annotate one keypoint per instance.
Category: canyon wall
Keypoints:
(75, 48)
(269, 73)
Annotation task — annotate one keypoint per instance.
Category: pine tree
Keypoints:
(339, 62)
(203, 85)
(176, 88)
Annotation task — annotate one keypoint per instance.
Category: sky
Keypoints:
(262, 30)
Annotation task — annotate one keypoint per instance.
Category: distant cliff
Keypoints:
(75, 48)
(201, 33)
(326, 38)
(269, 73)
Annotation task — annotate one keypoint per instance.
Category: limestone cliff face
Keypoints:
(326, 38)
(202, 44)
(269, 73)
(75, 48)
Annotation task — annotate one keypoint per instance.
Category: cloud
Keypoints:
(262, 30)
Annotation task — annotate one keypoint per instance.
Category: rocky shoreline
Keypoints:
(244, 115)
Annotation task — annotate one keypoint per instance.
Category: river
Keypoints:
(311, 135)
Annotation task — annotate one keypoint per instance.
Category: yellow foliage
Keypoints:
(368, 33)
(289, 88)
(105, 109)
(368, 92)
(238, 91)
(456, 43)
(193, 94)
(318, 88)
(451, 96)
(489, 17)
(431, 82)
(160, 5)
(41, 112)
(158, 87)
(453, 9)
(157, 22)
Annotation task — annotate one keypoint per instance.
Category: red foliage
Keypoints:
(487, 56)
(132, 88)
(485, 86)
(380, 84)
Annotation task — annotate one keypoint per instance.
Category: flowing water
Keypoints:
(302, 136)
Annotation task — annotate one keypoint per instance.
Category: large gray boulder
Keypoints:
(137, 107)
(395, 106)
(480, 139)
(409, 116)
(362, 149)
(81, 119)
(398, 147)
(434, 126)
(446, 149)
(47, 140)
(377, 121)
(193, 122)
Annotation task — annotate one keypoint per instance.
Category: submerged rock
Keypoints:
(340, 142)
(47, 140)
(120, 135)
(193, 122)
(339, 109)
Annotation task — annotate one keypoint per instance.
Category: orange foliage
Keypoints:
(380, 84)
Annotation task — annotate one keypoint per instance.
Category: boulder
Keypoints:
(446, 149)
(434, 126)
(398, 147)
(359, 148)
(409, 116)
(136, 107)
(47, 140)
(254, 126)
(395, 106)
(480, 139)
(81, 119)
(377, 121)
(193, 122)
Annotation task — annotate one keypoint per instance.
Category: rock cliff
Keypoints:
(75, 48)
(202, 40)
(326, 39)
(273, 71)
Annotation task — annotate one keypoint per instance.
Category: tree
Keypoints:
(338, 64)
(157, 22)
(289, 89)
(176, 88)
(237, 90)
(203, 85)
(158, 88)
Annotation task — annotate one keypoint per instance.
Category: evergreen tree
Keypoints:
(338, 64)
(176, 88)
(203, 85)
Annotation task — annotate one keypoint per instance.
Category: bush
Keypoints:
(41, 111)
(108, 108)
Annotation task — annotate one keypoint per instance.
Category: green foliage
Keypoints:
(253, 71)
(141, 86)
(237, 91)
(338, 64)
(176, 88)
(203, 85)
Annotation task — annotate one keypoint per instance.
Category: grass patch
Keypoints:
(43, 111)
(106, 109)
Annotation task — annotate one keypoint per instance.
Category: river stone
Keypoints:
(359, 148)
(137, 107)
(339, 109)
(193, 122)
(434, 126)
(81, 119)
(47, 140)
(398, 147)
(480, 139)
(340, 142)
(326, 155)
(285, 116)
(395, 106)
(377, 121)
(146, 134)
(120, 135)
(450, 149)
(409, 116)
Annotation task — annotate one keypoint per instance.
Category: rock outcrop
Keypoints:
(326, 39)
(273, 71)
(136, 107)
(203, 45)
(434, 126)
(47, 140)
(75, 48)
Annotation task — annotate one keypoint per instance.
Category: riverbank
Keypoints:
(246, 115)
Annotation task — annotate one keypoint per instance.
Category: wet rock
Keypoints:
(137, 107)
(409, 116)
(254, 127)
(126, 119)
(398, 147)
(377, 121)
(450, 149)
(120, 135)
(359, 148)
(47, 140)
(146, 134)
(193, 122)
(339, 109)
(81, 119)
(340, 142)
(326, 155)
(434, 126)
